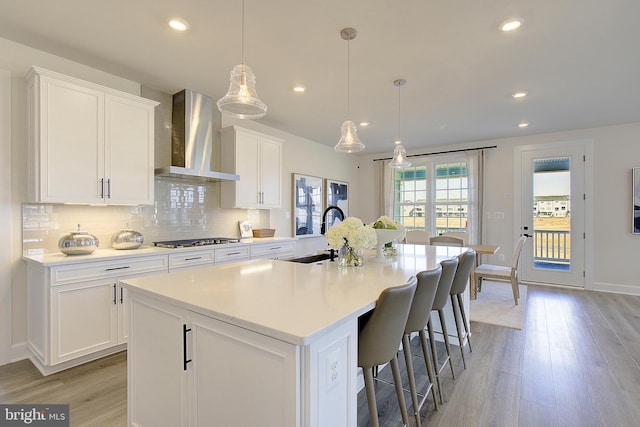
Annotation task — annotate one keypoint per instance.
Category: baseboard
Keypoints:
(614, 288)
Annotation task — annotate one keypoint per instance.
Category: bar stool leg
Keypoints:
(371, 397)
(434, 354)
(412, 380)
(427, 362)
(464, 321)
(456, 315)
(397, 380)
(443, 324)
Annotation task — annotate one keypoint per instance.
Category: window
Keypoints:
(433, 196)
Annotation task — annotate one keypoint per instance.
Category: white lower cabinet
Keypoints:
(274, 250)
(77, 311)
(188, 369)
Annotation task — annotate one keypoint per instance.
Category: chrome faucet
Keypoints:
(323, 227)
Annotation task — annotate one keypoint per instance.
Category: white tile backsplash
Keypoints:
(183, 210)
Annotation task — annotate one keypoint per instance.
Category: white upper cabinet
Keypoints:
(257, 158)
(88, 143)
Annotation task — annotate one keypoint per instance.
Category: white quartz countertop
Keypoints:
(58, 258)
(288, 301)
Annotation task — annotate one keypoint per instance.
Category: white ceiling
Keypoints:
(578, 59)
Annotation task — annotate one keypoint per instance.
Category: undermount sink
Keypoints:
(309, 259)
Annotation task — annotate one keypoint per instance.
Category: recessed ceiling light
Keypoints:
(299, 89)
(520, 94)
(179, 24)
(365, 124)
(523, 125)
(511, 24)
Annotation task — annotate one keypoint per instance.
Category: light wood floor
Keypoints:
(575, 363)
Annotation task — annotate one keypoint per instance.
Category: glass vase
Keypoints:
(350, 257)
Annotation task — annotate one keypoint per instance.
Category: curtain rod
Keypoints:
(441, 152)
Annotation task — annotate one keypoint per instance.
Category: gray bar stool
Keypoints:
(466, 263)
(449, 267)
(379, 337)
(417, 322)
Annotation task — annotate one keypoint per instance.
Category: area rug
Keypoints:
(494, 305)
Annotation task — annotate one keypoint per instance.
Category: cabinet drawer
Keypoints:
(193, 258)
(106, 269)
(234, 253)
(273, 250)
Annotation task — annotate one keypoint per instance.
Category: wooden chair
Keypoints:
(500, 272)
(418, 237)
(446, 241)
(380, 333)
(459, 234)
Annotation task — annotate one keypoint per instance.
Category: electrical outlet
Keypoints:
(501, 257)
(333, 369)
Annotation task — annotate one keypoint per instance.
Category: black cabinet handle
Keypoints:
(185, 361)
(193, 258)
(233, 253)
(117, 268)
(109, 188)
(276, 248)
(115, 295)
(121, 296)
(102, 188)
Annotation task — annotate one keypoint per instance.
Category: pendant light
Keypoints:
(349, 141)
(399, 153)
(241, 100)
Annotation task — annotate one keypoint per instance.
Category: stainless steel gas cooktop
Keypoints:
(189, 243)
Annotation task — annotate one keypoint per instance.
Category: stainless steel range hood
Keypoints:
(192, 139)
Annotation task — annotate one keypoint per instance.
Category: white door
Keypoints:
(552, 213)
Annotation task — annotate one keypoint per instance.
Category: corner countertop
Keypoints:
(288, 301)
(58, 258)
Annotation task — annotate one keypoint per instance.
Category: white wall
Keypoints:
(616, 151)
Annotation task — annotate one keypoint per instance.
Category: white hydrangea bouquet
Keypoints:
(351, 237)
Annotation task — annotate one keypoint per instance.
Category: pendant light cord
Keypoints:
(242, 36)
(399, 138)
(348, 80)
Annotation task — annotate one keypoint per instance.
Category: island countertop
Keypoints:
(289, 301)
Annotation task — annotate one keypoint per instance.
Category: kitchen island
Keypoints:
(263, 342)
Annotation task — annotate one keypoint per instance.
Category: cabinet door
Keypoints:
(83, 319)
(247, 166)
(129, 151)
(71, 143)
(270, 180)
(157, 379)
(241, 375)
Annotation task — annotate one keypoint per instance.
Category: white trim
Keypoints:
(5, 218)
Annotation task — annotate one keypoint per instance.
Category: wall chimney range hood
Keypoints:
(192, 139)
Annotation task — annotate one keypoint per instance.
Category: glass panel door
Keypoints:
(552, 215)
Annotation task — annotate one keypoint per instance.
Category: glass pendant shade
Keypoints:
(399, 157)
(241, 100)
(349, 141)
